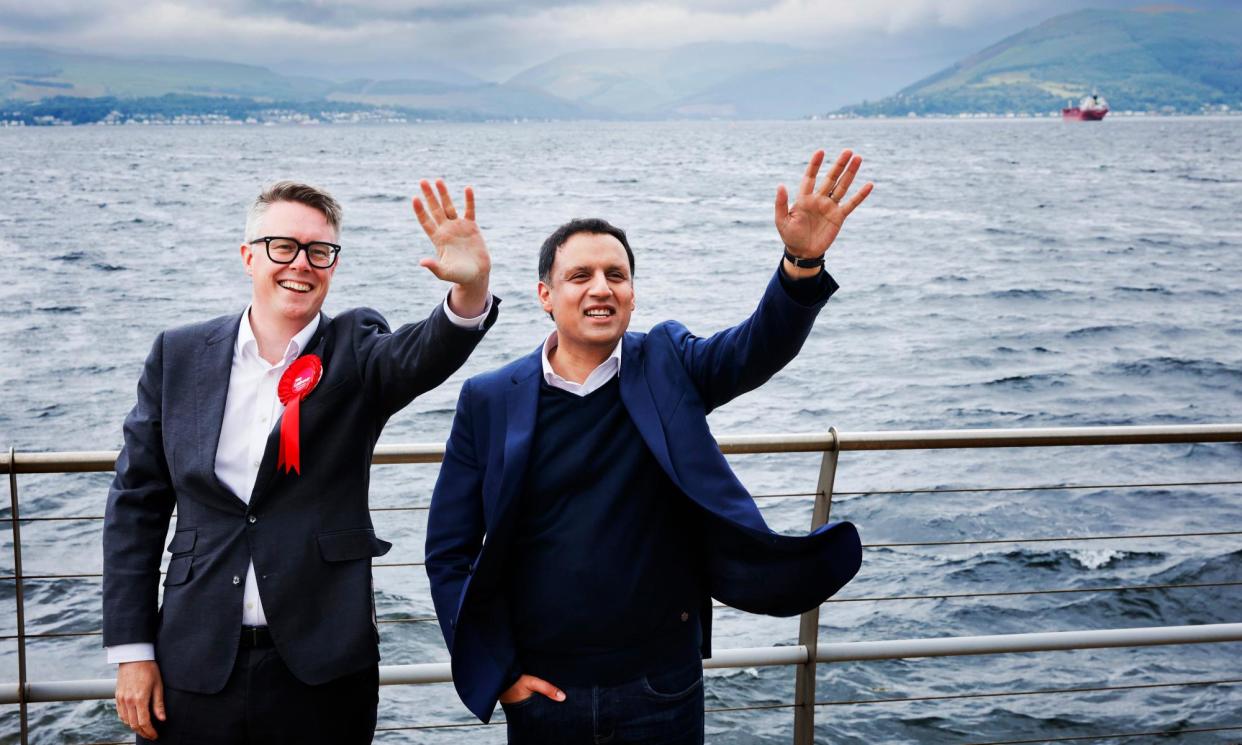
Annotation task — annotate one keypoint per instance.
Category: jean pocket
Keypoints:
(674, 683)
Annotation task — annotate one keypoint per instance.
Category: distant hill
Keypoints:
(1159, 58)
(658, 83)
(32, 75)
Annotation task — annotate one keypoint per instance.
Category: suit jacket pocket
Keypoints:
(183, 541)
(178, 570)
(347, 545)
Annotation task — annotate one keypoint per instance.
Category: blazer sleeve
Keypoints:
(396, 366)
(455, 524)
(739, 359)
(140, 503)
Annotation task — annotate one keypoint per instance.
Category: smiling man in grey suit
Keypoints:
(258, 428)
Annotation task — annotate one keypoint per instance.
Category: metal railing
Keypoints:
(808, 652)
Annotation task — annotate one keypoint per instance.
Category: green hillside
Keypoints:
(1157, 59)
(30, 73)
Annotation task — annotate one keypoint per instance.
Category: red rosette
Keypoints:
(296, 384)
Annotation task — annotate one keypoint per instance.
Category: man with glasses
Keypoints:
(258, 429)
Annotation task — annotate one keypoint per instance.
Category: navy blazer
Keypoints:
(310, 535)
(670, 380)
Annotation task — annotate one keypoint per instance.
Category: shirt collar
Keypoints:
(613, 362)
(246, 340)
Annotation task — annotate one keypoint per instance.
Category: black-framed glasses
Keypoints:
(283, 250)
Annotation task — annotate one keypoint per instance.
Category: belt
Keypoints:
(253, 637)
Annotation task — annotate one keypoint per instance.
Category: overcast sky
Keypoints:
(494, 39)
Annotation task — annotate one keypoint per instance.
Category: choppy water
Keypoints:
(1004, 273)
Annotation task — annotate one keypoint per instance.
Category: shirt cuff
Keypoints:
(140, 652)
(468, 323)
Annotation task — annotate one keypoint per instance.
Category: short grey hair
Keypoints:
(292, 191)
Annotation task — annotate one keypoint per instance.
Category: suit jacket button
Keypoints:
(252, 519)
(236, 580)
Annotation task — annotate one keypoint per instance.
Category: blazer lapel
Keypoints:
(215, 368)
(521, 407)
(636, 396)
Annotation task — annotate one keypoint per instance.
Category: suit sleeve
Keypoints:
(455, 524)
(739, 359)
(396, 366)
(140, 503)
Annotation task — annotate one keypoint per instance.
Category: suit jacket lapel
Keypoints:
(214, 369)
(521, 407)
(636, 396)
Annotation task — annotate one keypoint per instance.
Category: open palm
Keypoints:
(812, 223)
(461, 254)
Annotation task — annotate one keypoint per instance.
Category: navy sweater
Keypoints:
(603, 579)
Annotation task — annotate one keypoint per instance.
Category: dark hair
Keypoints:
(547, 253)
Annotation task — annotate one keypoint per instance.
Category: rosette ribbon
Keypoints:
(296, 384)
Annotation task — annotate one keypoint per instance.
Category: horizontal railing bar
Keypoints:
(60, 634)
(497, 722)
(1040, 487)
(1118, 537)
(787, 495)
(1005, 593)
(1074, 738)
(439, 672)
(1039, 692)
(105, 460)
(1048, 641)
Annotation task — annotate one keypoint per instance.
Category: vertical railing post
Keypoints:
(808, 630)
(21, 605)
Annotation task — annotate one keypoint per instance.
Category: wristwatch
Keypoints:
(803, 263)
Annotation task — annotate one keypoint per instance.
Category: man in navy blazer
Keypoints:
(267, 628)
(584, 516)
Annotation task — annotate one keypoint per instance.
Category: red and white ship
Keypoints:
(1090, 109)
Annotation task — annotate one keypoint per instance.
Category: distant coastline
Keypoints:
(244, 112)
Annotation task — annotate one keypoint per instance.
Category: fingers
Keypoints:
(849, 204)
(541, 686)
(782, 204)
(433, 204)
(812, 171)
(829, 188)
(470, 204)
(158, 703)
(142, 725)
(449, 210)
(424, 219)
(842, 187)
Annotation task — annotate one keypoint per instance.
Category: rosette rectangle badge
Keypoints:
(296, 384)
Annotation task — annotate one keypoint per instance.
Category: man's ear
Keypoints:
(545, 296)
(247, 258)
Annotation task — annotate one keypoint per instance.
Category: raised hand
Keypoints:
(461, 254)
(810, 226)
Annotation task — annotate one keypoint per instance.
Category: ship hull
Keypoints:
(1076, 114)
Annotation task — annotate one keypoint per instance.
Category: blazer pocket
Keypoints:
(183, 541)
(178, 570)
(348, 545)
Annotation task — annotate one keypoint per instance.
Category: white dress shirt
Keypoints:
(606, 371)
(251, 410)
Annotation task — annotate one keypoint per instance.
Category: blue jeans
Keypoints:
(663, 708)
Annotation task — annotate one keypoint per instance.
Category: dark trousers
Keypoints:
(264, 704)
(663, 708)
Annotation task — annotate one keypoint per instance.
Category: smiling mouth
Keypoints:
(599, 313)
(294, 286)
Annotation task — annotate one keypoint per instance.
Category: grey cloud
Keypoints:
(53, 17)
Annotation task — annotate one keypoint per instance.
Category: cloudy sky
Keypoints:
(494, 39)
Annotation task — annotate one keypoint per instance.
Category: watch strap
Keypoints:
(803, 263)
